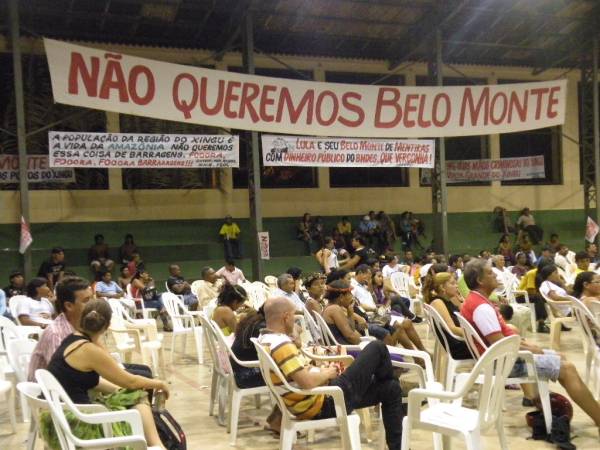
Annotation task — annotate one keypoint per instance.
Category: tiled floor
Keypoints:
(189, 404)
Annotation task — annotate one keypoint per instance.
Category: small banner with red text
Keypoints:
(38, 170)
(337, 152)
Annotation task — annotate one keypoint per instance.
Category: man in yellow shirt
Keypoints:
(230, 233)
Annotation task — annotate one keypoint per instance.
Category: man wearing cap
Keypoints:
(230, 233)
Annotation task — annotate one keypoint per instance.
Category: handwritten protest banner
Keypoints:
(38, 170)
(336, 152)
(109, 81)
(504, 169)
(76, 149)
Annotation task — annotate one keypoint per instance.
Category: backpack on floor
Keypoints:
(170, 432)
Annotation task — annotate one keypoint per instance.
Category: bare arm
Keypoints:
(495, 337)
(341, 322)
(97, 359)
(225, 317)
(351, 263)
(26, 320)
(440, 307)
(311, 377)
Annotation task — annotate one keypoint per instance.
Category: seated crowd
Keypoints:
(365, 294)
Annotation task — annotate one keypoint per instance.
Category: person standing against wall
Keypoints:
(230, 232)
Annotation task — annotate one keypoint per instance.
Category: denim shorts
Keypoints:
(547, 366)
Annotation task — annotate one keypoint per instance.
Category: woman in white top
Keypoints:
(35, 308)
(391, 267)
(550, 285)
(327, 256)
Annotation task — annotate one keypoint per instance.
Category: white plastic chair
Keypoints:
(220, 377)
(440, 331)
(32, 393)
(401, 283)
(556, 320)
(8, 331)
(511, 291)
(137, 335)
(271, 281)
(19, 354)
(261, 293)
(146, 312)
(183, 324)
(235, 394)
(58, 401)
(590, 329)
(328, 337)
(475, 343)
(290, 425)
(7, 396)
(444, 413)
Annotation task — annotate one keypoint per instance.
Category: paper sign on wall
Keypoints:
(263, 241)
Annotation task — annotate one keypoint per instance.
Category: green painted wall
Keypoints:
(194, 243)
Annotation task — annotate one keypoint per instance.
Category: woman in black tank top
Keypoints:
(75, 382)
(441, 293)
(81, 363)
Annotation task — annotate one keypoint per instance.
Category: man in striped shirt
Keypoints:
(369, 381)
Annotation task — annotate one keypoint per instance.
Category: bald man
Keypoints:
(369, 381)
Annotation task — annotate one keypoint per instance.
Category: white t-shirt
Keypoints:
(291, 296)
(486, 320)
(234, 278)
(561, 261)
(363, 295)
(547, 286)
(387, 270)
(26, 306)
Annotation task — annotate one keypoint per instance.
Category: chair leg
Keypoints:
(589, 357)
(199, 345)
(229, 403)
(405, 433)
(533, 318)
(32, 435)
(365, 420)
(213, 392)
(234, 415)
(450, 373)
(473, 440)
(25, 412)
(11, 409)
(257, 401)
(287, 438)
(555, 330)
(544, 392)
(501, 435)
(172, 346)
(438, 442)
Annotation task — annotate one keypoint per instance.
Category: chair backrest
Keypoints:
(174, 311)
(494, 366)
(209, 337)
(57, 400)
(328, 337)
(401, 283)
(261, 292)
(587, 321)
(220, 350)
(195, 287)
(271, 281)
(8, 331)
(167, 289)
(129, 291)
(439, 327)
(313, 328)
(552, 307)
(474, 342)
(19, 355)
(32, 392)
(117, 320)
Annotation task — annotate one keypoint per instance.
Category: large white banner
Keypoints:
(109, 81)
(336, 152)
(188, 151)
(38, 170)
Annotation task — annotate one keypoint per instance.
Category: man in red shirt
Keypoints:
(488, 322)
